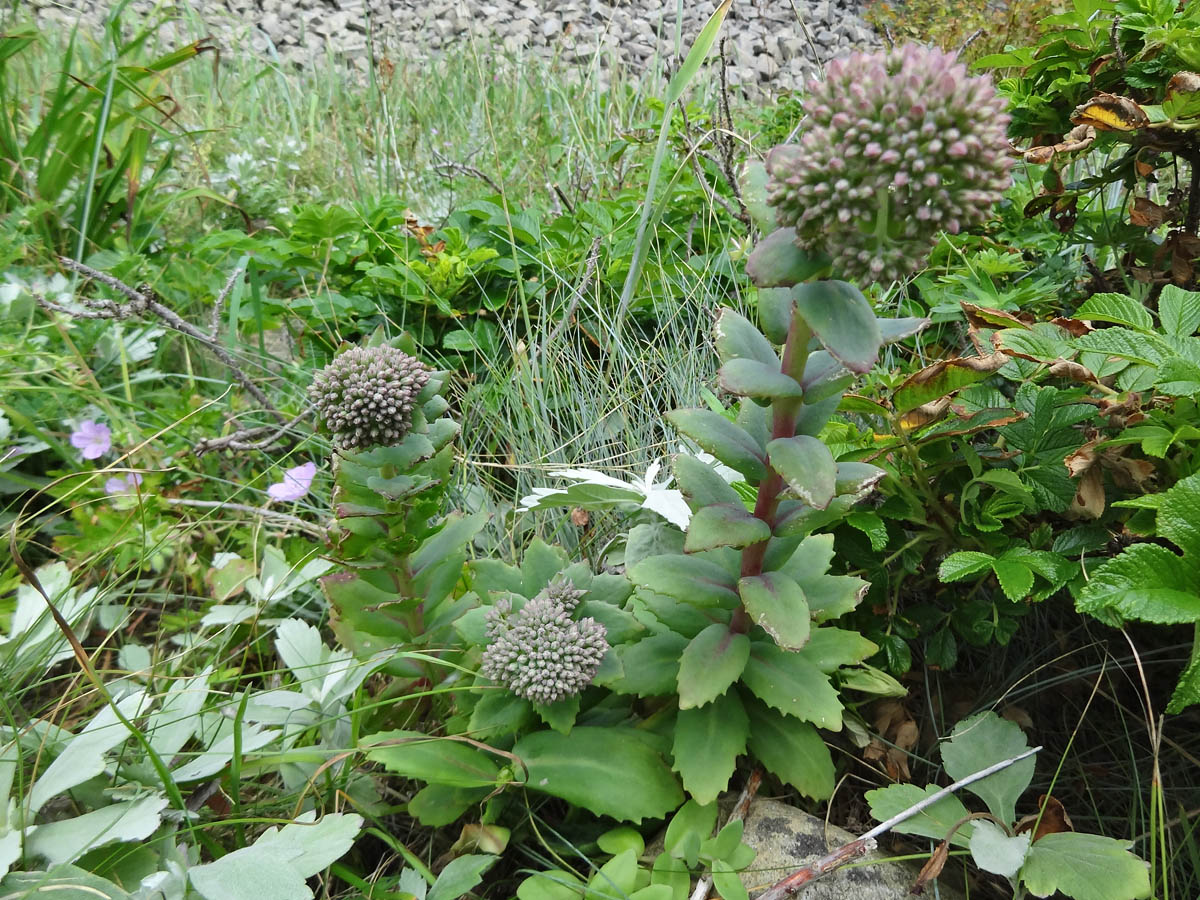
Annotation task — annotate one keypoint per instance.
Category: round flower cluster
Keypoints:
(367, 394)
(898, 146)
(540, 653)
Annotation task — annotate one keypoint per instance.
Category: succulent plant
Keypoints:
(898, 146)
(366, 395)
(541, 653)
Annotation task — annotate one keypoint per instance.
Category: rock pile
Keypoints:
(772, 43)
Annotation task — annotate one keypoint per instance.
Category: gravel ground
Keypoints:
(774, 44)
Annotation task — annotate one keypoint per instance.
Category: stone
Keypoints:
(787, 839)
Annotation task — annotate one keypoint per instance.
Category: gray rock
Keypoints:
(787, 839)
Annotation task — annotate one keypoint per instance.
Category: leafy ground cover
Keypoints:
(445, 482)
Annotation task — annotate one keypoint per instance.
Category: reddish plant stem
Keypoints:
(795, 358)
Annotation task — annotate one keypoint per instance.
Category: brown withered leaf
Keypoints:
(1078, 138)
(1088, 502)
(943, 378)
(897, 733)
(923, 415)
(986, 317)
(580, 518)
(1066, 368)
(1183, 83)
(932, 868)
(1145, 213)
(1017, 715)
(1082, 459)
(1075, 327)
(1110, 112)
(1054, 819)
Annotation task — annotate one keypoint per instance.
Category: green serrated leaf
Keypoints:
(708, 741)
(604, 770)
(791, 749)
(933, 822)
(807, 466)
(724, 525)
(728, 442)
(830, 648)
(1086, 867)
(792, 684)
(713, 661)
(651, 666)
(872, 526)
(1015, 577)
(687, 579)
(1117, 309)
(1179, 310)
(776, 603)
(964, 564)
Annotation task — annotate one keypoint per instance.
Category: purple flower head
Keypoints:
(295, 484)
(126, 484)
(92, 439)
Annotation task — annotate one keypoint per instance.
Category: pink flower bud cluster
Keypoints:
(897, 147)
(367, 395)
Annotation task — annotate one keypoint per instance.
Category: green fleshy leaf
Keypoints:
(776, 261)
(984, 740)
(807, 466)
(857, 479)
(607, 771)
(701, 484)
(728, 442)
(793, 685)
(687, 579)
(775, 310)
(830, 648)
(713, 661)
(651, 666)
(776, 603)
(436, 805)
(790, 749)
(559, 715)
(690, 827)
(724, 525)
(892, 330)
(752, 182)
(750, 378)
(842, 318)
(995, 851)
(436, 760)
(737, 338)
(708, 741)
(1086, 867)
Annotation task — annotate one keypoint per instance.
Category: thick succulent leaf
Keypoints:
(701, 484)
(790, 749)
(714, 660)
(687, 579)
(727, 441)
(807, 466)
(857, 478)
(651, 666)
(934, 822)
(776, 603)
(607, 771)
(436, 805)
(830, 648)
(65, 840)
(708, 741)
(432, 759)
(737, 338)
(724, 525)
(775, 311)
(64, 883)
(460, 875)
(752, 182)
(842, 318)
(776, 261)
(750, 378)
(791, 684)
(1086, 867)
(984, 740)
(892, 330)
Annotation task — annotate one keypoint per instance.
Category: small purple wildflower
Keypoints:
(295, 484)
(126, 484)
(94, 440)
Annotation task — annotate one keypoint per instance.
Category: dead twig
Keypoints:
(448, 168)
(246, 439)
(801, 878)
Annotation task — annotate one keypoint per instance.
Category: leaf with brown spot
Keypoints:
(1054, 819)
(985, 317)
(1082, 459)
(943, 378)
(1145, 213)
(1089, 496)
(1065, 368)
(1110, 112)
(924, 415)
(1183, 83)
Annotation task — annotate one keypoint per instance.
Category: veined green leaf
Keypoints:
(793, 685)
(790, 749)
